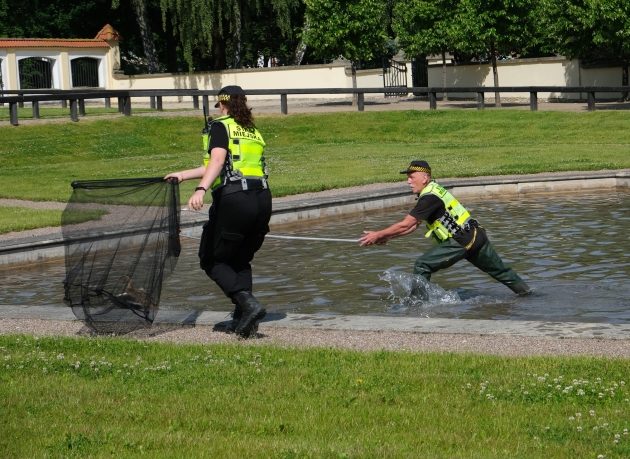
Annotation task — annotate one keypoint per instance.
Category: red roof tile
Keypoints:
(52, 43)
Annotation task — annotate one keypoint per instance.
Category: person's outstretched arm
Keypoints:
(406, 226)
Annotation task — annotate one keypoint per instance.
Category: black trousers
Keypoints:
(449, 252)
(236, 228)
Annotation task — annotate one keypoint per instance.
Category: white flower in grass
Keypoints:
(601, 456)
(571, 418)
(591, 412)
(579, 428)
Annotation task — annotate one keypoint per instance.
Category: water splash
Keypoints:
(414, 292)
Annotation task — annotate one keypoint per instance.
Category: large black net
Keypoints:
(115, 264)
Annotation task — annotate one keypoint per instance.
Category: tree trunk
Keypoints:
(237, 35)
(495, 74)
(624, 78)
(301, 47)
(150, 53)
(445, 96)
(355, 96)
(218, 50)
(299, 53)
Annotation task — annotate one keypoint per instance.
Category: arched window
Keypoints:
(84, 72)
(35, 73)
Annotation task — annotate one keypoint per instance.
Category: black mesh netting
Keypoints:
(115, 264)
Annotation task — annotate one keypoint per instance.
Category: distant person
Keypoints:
(458, 236)
(234, 170)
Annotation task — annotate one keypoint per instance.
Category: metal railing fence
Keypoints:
(77, 98)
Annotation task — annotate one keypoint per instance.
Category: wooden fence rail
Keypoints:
(77, 98)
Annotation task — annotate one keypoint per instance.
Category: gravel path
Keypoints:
(504, 345)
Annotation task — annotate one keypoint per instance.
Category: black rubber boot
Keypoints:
(229, 326)
(520, 288)
(252, 313)
(418, 290)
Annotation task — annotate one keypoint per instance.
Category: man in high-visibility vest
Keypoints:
(458, 236)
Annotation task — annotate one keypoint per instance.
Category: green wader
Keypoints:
(449, 252)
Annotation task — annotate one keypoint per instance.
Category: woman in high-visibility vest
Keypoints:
(458, 236)
(234, 171)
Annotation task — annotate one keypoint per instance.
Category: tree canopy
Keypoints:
(180, 35)
(352, 29)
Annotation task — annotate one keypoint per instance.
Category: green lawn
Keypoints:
(110, 397)
(20, 218)
(315, 152)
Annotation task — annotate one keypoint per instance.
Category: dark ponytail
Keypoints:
(238, 109)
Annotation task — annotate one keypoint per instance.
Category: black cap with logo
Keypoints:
(417, 166)
(227, 91)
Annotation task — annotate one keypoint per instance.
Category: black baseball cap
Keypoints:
(417, 166)
(227, 91)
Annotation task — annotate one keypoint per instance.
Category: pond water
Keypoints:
(571, 249)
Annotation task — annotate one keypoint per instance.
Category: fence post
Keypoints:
(13, 110)
(64, 103)
(35, 110)
(432, 100)
(361, 101)
(127, 105)
(82, 107)
(74, 110)
(533, 101)
(159, 103)
(108, 103)
(591, 101)
(195, 102)
(120, 105)
(284, 106)
(480, 101)
(152, 102)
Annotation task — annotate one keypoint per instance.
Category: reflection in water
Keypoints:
(572, 249)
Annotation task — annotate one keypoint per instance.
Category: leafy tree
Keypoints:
(425, 27)
(591, 30)
(218, 29)
(354, 29)
(490, 28)
(53, 18)
(148, 44)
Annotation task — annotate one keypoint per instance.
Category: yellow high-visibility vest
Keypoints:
(453, 218)
(245, 158)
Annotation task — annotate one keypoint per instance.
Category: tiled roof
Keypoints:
(108, 33)
(52, 43)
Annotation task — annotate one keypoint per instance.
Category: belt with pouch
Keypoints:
(243, 184)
